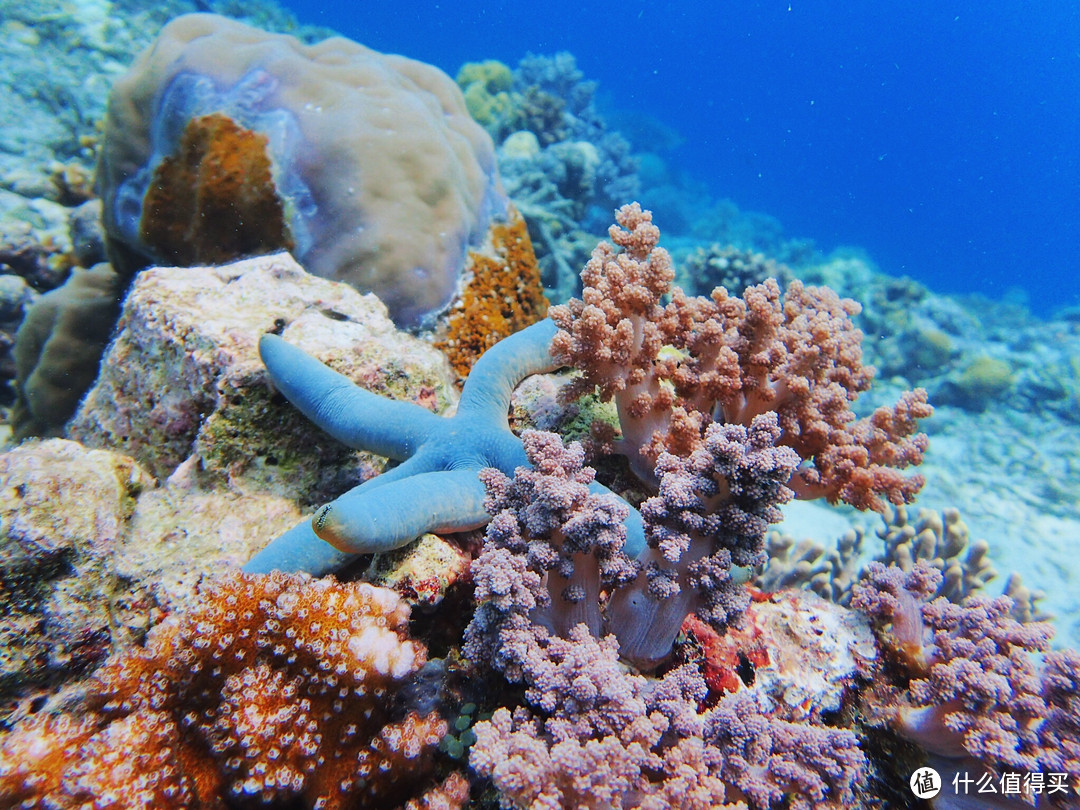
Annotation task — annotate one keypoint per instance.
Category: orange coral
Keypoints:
(215, 200)
(503, 296)
(275, 689)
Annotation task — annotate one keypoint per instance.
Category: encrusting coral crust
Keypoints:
(503, 296)
(215, 199)
(276, 688)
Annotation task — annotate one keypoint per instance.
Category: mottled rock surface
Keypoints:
(182, 380)
(64, 512)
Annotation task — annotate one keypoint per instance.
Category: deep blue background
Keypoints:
(939, 136)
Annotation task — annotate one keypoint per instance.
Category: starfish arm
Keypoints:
(419, 463)
(496, 374)
(298, 549)
(347, 412)
(365, 521)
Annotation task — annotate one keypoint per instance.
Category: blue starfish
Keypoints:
(436, 487)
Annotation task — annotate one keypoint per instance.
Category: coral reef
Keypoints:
(274, 688)
(719, 485)
(55, 71)
(246, 692)
(486, 86)
(727, 406)
(561, 164)
(938, 539)
(502, 296)
(729, 267)
(790, 644)
(748, 693)
(56, 67)
(941, 539)
(605, 738)
(976, 386)
(753, 231)
(828, 571)
(97, 552)
(589, 726)
(351, 136)
(35, 245)
(710, 514)
(43, 245)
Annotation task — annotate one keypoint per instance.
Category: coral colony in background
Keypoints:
(565, 593)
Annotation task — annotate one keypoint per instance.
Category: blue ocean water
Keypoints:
(939, 136)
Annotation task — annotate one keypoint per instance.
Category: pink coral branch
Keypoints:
(976, 689)
(798, 355)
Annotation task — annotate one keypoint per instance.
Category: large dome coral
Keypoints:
(224, 139)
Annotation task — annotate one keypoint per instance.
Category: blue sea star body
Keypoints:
(435, 487)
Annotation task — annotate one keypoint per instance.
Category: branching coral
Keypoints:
(556, 547)
(728, 406)
(572, 539)
(712, 511)
(276, 688)
(596, 736)
(598, 740)
(940, 539)
(771, 760)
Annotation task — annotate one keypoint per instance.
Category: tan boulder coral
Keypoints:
(366, 166)
(182, 380)
(58, 348)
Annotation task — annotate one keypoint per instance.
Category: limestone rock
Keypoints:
(93, 553)
(182, 379)
(64, 511)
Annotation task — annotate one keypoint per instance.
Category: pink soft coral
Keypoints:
(729, 359)
(975, 689)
